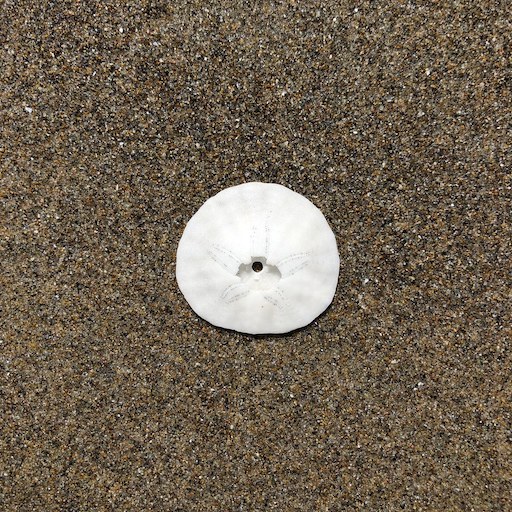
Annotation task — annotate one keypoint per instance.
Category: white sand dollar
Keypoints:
(258, 258)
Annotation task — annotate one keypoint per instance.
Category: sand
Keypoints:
(118, 120)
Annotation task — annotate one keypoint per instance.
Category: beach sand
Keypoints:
(119, 119)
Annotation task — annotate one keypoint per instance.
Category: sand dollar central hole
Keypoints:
(257, 266)
(258, 274)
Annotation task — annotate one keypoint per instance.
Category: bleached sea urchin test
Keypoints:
(258, 258)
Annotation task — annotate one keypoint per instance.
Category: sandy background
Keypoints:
(119, 119)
